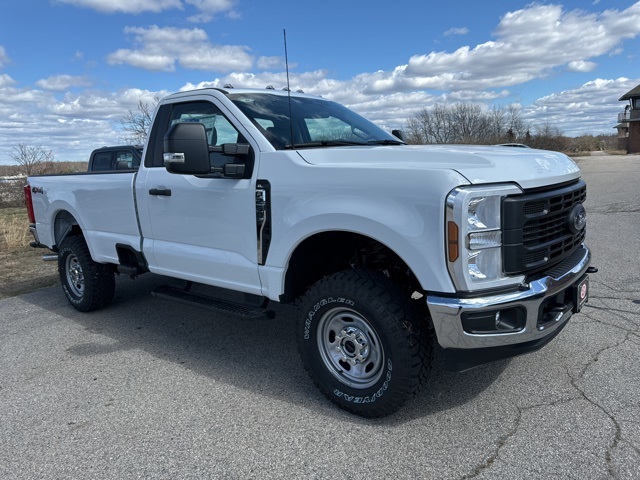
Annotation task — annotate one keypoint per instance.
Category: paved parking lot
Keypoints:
(153, 389)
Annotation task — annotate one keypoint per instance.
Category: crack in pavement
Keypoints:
(615, 312)
(605, 211)
(521, 411)
(611, 309)
(503, 439)
(601, 297)
(614, 289)
(574, 383)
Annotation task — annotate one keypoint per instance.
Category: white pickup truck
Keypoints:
(292, 198)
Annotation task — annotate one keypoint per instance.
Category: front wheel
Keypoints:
(87, 285)
(363, 343)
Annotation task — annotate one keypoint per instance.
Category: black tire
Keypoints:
(363, 342)
(87, 285)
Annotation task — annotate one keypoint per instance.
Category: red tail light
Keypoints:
(29, 203)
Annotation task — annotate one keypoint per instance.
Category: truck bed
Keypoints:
(107, 204)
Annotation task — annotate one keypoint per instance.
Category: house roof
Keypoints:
(622, 125)
(631, 94)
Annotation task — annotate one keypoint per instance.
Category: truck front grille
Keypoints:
(536, 228)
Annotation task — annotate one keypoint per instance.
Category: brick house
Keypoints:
(629, 122)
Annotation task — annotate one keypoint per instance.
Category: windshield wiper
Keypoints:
(324, 143)
(386, 142)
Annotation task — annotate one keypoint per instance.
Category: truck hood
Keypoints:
(528, 167)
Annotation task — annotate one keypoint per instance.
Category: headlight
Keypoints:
(474, 237)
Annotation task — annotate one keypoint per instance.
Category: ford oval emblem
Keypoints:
(577, 219)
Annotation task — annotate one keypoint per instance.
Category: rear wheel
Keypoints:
(363, 343)
(87, 285)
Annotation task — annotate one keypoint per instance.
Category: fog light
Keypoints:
(508, 320)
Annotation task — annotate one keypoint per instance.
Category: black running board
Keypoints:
(212, 303)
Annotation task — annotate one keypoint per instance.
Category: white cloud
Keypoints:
(207, 9)
(160, 48)
(271, 63)
(72, 125)
(125, 6)
(581, 66)
(590, 108)
(6, 80)
(223, 58)
(60, 83)
(141, 59)
(456, 31)
(529, 43)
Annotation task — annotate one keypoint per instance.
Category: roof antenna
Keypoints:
(286, 62)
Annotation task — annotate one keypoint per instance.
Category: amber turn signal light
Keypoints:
(453, 250)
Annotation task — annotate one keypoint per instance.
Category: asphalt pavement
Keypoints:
(149, 388)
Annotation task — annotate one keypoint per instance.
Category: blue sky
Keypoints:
(71, 69)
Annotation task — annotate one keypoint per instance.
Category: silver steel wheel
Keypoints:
(75, 277)
(350, 348)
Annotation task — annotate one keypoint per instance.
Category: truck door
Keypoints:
(201, 229)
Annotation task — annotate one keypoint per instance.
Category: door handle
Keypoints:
(160, 191)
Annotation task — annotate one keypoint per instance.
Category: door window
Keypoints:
(219, 129)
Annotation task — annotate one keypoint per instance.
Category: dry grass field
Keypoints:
(21, 266)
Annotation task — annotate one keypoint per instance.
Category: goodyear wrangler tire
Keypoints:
(87, 285)
(362, 342)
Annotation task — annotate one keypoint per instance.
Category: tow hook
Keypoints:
(592, 270)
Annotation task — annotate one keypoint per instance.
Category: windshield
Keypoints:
(315, 122)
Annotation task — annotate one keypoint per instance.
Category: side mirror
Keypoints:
(186, 149)
(398, 134)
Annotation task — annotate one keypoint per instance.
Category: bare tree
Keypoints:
(515, 123)
(496, 131)
(137, 123)
(548, 137)
(458, 123)
(31, 160)
(466, 123)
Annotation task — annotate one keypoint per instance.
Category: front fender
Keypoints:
(411, 229)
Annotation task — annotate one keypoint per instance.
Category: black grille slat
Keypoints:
(533, 208)
(536, 232)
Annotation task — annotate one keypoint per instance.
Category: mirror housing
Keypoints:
(186, 149)
(398, 134)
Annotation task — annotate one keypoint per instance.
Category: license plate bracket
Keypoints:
(580, 293)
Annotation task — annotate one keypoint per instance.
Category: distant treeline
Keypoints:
(467, 123)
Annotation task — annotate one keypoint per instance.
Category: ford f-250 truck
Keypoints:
(292, 198)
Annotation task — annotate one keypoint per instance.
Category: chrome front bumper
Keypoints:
(537, 327)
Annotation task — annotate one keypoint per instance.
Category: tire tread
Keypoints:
(402, 318)
(99, 286)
